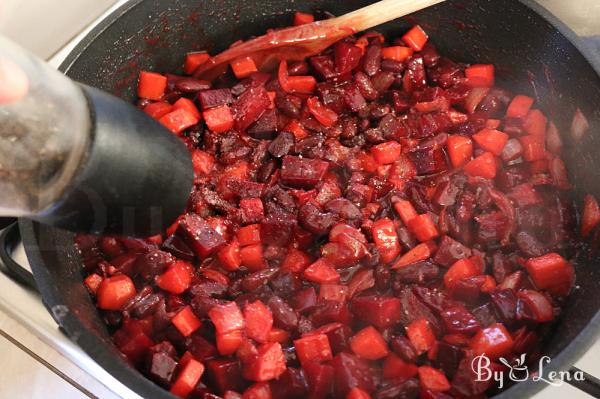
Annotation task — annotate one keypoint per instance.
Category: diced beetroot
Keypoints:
(321, 272)
(313, 348)
(380, 311)
(260, 390)
(225, 375)
(291, 384)
(277, 229)
(320, 378)
(250, 106)
(199, 235)
(351, 372)
(459, 320)
(301, 172)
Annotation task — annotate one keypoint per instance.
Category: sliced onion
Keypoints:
(475, 96)
(558, 171)
(579, 126)
(554, 142)
(539, 304)
(512, 150)
(507, 208)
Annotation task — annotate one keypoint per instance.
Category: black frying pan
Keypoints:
(531, 50)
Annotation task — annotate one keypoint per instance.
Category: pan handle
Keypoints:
(589, 385)
(9, 238)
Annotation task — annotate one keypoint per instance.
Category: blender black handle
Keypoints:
(9, 238)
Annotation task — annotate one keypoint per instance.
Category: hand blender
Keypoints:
(77, 158)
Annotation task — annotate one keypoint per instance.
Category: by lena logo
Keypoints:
(518, 371)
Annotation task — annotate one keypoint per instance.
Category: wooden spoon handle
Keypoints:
(378, 13)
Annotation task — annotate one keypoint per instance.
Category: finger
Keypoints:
(14, 84)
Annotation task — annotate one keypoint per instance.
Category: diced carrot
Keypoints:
(92, 282)
(483, 166)
(405, 210)
(421, 335)
(278, 335)
(535, 123)
(259, 321)
(114, 292)
(386, 153)
(480, 75)
(295, 261)
(151, 85)
(333, 292)
(301, 18)
(415, 38)
(491, 140)
(396, 53)
(194, 60)
(534, 148)
(313, 348)
(519, 106)
(252, 257)
(590, 216)
(243, 67)
(296, 129)
(158, 109)
(187, 379)
(421, 252)
(226, 317)
(423, 228)
(260, 390)
(386, 239)
(178, 120)
(186, 321)
(229, 256)
(493, 341)
(492, 123)
(268, 364)
(396, 368)
(357, 393)
(459, 270)
(302, 84)
(228, 343)
(203, 162)
(324, 115)
(551, 272)
(433, 379)
(249, 235)
(219, 119)
(189, 105)
(177, 278)
(321, 272)
(460, 149)
(272, 95)
(369, 344)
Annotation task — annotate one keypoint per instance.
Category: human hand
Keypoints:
(14, 84)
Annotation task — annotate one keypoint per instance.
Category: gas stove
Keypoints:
(25, 305)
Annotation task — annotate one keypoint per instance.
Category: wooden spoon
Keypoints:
(298, 42)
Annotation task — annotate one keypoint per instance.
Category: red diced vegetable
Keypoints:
(229, 256)
(333, 292)
(396, 53)
(186, 321)
(243, 67)
(301, 18)
(302, 172)
(369, 344)
(177, 278)
(228, 343)
(491, 140)
(249, 235)
(493, 341)
(178, 120)
(533, 148)
(381, 311)
(226, 318)
(219, 119)
(187, 104)
(203, 163)
(421, 335)
(480, 75)
(519, 106)
(260, 390)
(539, 304)
(579, 126)
(259, 321)
(200, 235)
(395, 368)
(386, 239)
(460, 149)
(461, 269)
(591, 215)
(433, 379)
(321, 272)
(187, 379)
(92, 282)
(405, 210)
(114, 292)
(313, 348)
(421, 252)
(357, 393)
(252, 257)
(194, 60)
(158, 109)
(323, 114)
(296, 129)
(151, 85)
(483, 166)
(268, 364)
(386, 153)
(535, 123)
(301, 84)
(415, 38)
(295, 261)
(423, 227)
(551, 272)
